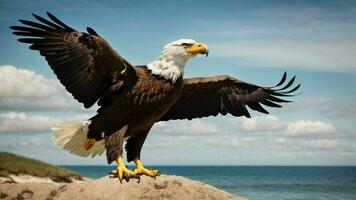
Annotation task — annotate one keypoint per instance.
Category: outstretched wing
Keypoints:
(84, 62)
(210, 96)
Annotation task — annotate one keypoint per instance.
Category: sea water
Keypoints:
(261, 182)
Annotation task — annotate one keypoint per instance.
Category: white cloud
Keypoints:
(248, 139)
(281, 140)
(308, 127)
(15, 143)
(300, 135)
(19, 122)
(321, 144)
(296, 128)
(340, 108)
(305, 144)
(263, 123)
(14, 122)
(23, 89)
(25, 83)
(296, 138)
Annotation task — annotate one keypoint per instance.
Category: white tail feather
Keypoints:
(72, 136)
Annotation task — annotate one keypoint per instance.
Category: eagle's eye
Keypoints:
(185, 45)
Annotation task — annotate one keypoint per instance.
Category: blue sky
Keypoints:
(255, 41)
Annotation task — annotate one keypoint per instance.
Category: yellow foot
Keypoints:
(122, 172)
(140, 170)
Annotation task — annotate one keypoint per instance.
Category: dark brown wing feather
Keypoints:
(84, 63)
(210, 96)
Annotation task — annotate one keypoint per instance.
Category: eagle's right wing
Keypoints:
(84, 62)
(210, 96)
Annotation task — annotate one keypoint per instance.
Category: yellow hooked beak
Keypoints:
(197, 48)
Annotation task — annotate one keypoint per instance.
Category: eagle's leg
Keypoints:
(133, 149)
(140, 170)
(122, 172)
(113, 145)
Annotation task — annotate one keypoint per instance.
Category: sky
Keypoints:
(254, 41)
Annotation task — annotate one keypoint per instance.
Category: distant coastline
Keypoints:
(15, 168)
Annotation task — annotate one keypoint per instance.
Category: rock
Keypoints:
(164, 187)
(3, 195)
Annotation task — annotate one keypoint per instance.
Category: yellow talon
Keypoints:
(141, 170)
(122, 171)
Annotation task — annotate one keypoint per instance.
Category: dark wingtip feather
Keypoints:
(288, 84)
(34, 15)
(23, 40)
(280, 92)
(294, 89)
(51, 24)
(23, 21)
(256, 106)
(33, 47)
(59, 22)
(14, 27)
(284, 77)
(19, 33)
(92, 31)
(270, 104)
(275, 99)
(36, 25)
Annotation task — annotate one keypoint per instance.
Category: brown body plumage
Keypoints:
(132, 99)
(140, 104)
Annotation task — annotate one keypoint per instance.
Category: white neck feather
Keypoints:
(167, 66)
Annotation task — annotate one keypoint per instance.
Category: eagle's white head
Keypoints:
(170, 64)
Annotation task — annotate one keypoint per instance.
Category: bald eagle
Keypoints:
(132, 99)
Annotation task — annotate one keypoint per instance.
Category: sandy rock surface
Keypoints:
(163, 188)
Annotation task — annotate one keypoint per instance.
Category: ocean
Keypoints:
(261, 182)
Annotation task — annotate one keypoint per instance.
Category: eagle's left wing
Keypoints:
(85, 63)
(210, 96)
